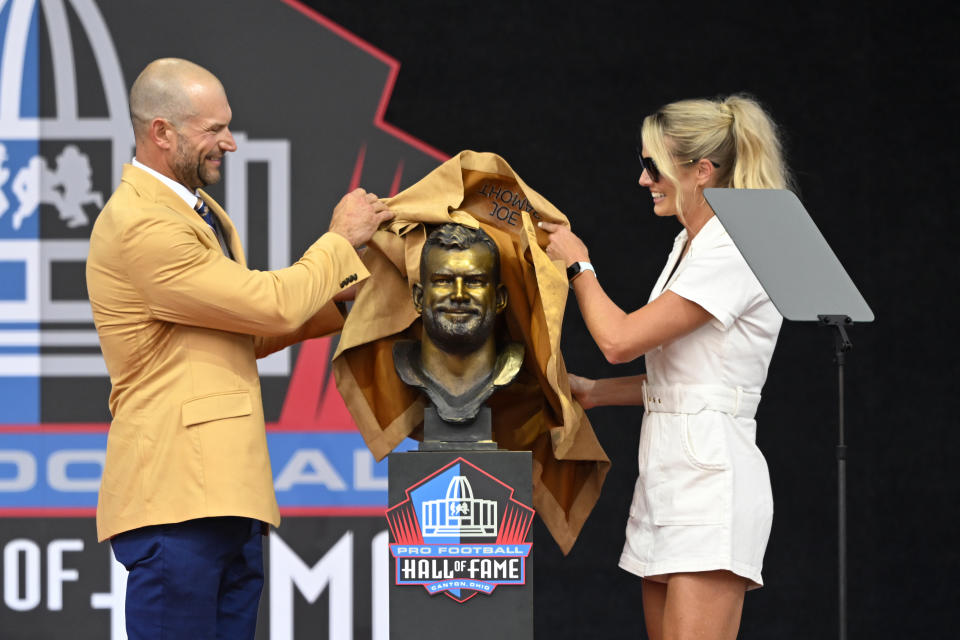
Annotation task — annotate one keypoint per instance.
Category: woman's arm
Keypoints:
(605, 392)
(622, 336)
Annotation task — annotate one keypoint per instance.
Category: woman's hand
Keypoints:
(608, 392)
(581, 388)
(564, 244)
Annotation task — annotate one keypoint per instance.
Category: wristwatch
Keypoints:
(577, 268)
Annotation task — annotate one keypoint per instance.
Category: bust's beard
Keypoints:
(458, 337)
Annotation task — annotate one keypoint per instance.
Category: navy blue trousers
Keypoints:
(199, 579)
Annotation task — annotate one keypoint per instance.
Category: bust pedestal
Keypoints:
(469, 436)
(460, 536)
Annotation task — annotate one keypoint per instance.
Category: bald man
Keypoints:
(187, 488)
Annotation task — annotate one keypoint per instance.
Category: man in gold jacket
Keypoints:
(187, 483)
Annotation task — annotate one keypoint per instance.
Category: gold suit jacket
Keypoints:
(537, 411)
(180, 327)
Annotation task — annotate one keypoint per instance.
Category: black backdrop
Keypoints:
(866, 93)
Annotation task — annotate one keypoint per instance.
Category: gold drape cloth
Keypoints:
(536, 412)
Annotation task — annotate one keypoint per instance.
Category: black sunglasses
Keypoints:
(654, 171)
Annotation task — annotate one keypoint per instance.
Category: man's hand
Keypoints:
(345, 295)
(358, 215)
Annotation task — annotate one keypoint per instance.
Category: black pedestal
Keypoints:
(461, 539)
(476, 435)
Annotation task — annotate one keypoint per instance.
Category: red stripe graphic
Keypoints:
(391, 63)
(403, 524)
(516, 524)
(358, 167)
(312, 402)
(395, 185)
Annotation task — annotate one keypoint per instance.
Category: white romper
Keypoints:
(702, 501)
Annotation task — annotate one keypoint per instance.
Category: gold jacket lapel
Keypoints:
(152, 189)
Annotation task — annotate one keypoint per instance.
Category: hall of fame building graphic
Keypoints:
(65, 134)
(449, 540)
(57, 167)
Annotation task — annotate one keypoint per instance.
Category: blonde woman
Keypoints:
(702, 507)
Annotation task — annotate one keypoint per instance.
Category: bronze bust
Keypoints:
(459, 296)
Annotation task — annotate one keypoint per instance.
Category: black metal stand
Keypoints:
(842, 345)
(803, 277)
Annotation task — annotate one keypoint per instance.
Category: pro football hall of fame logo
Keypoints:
(460, 532)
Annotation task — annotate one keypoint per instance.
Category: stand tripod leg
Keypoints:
(842, 345)
(841, 511)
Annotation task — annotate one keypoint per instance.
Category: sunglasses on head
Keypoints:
(654, 172)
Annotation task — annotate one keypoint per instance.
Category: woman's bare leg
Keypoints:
(654, 601)
(702, 606)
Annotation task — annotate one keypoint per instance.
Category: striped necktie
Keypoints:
(204, 211)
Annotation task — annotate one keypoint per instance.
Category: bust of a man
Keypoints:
(456, 363)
